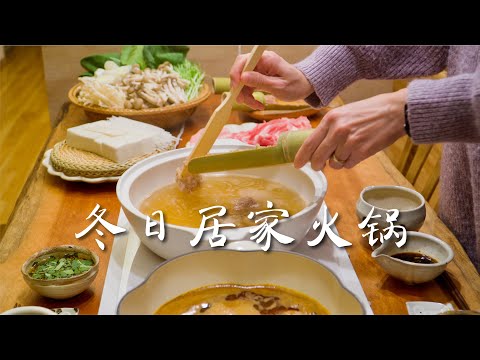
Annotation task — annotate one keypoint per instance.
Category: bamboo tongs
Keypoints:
(221, 114)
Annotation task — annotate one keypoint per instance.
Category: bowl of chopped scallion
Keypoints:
(61, 272)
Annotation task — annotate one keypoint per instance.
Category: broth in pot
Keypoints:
(231, 299)
(239, 194)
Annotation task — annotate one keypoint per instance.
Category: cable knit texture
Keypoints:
(445, 110)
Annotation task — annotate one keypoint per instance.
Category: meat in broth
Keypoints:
(229, 299)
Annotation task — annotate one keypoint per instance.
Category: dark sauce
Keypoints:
(415, 258)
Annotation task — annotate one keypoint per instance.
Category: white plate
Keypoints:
(48, 164)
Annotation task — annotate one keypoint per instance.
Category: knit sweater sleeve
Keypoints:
(446, 110)
(330, 69)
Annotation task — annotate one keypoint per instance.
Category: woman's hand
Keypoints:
(272, 74)
(354, 132)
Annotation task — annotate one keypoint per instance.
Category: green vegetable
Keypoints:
(155, 55)
(93, 62)
(86, 73)
(152, 56)
(191, 72)
(60, 268)
(133, 55)
(144, 55)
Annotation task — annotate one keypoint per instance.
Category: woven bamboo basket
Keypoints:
(75, 162)
(167, 117)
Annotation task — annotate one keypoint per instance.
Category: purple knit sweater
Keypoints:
(445, 110)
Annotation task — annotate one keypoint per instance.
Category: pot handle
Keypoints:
(236, 241)
(243, 245)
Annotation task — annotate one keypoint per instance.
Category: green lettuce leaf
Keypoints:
(93, 62)
(145, 55)
(155, 55)
(133, 54)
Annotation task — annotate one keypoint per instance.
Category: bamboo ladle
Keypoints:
(220, 116)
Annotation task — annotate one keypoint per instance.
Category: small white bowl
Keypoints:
(61, 288)
(411, 218)
(29, 310)
(409, 272)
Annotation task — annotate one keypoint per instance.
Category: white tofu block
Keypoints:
(119, 139)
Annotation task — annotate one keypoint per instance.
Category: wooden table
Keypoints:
(51, 210)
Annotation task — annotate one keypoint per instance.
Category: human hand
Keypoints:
(353, 132)
(272, 74)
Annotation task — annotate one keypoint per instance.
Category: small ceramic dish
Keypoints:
(29, 310)
(40, 310)
(410, 272)
(61, 288)
(410, 203)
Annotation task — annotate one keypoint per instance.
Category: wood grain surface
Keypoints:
(52, 210)
(24, 122)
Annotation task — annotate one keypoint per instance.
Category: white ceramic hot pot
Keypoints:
(142, 179)
(192, 271)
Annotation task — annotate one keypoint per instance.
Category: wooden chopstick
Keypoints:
(221, 114)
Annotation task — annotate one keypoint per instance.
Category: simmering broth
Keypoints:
(240, 194)
(230, 299)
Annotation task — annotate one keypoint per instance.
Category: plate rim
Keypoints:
(46, 162)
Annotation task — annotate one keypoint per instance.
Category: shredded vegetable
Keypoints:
(191, 72)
